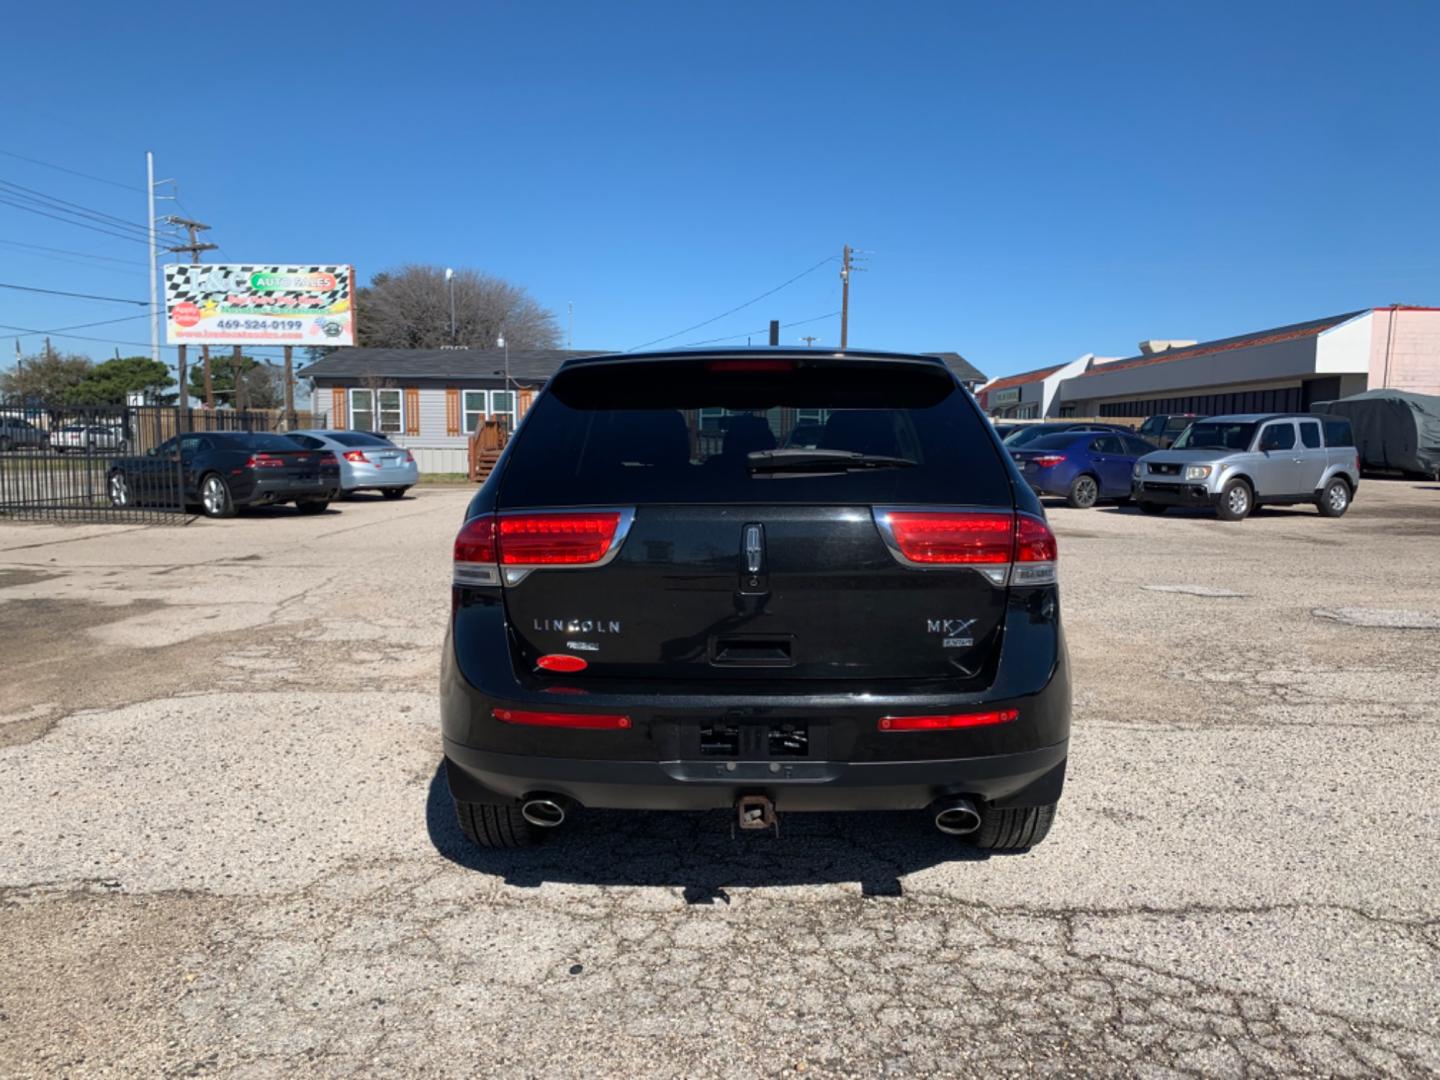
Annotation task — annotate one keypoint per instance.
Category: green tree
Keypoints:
(44, 378)
(111, 382)
(250, 384)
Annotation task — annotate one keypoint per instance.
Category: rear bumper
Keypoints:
(279, 489)
(361, 477)
(1032, 778)
(1173, 493)
(659, 763)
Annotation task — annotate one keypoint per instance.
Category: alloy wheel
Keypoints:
(1239, 500)
(213, 496)
(119, 491)
(1338, 496)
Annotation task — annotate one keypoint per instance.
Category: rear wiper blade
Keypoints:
(800, 460)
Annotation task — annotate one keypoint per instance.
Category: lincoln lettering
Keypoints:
(579, 626)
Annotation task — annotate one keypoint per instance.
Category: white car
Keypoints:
(88, 437)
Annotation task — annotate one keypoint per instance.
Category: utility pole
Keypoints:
(845, 298)
(195, 247)
(290, 387)
(236, 359)
(154, 292)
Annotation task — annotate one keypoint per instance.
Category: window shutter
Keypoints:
(452, 411)
(338, 417)
(412, 411)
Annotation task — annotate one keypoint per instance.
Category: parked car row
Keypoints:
(223, 472)
(1230, 464)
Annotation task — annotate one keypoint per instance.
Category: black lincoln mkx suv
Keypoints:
(768, 580)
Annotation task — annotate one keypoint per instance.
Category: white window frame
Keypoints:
(496, 396)
(466, 413)
(398, 410)
(369, 409)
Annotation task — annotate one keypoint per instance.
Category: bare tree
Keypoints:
(409, 308)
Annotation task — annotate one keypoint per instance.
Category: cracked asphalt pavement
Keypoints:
(225, 849)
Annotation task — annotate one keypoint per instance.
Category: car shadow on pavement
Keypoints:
(697, 851)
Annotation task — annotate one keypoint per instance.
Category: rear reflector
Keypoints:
(562, 662)
(584, 721)
(945, 723)
(956, 539)
(556, 539)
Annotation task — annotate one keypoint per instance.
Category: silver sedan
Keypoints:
(367, 462)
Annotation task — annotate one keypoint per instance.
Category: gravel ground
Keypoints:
(224, 848)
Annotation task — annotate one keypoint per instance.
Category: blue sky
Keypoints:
(1032, 181)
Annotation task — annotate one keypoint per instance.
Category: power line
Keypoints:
(72, 172)
(28, 331)
(78, 254)
(77, 295)
(81, 224)
(762, 330)
(80, 262)
(65, 206)
(741, 307)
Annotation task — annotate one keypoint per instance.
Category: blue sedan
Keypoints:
(1083, 467)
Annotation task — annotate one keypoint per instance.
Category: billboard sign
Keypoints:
(232, 304)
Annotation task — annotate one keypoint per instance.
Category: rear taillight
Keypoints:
(583, 721)
(1048, 461)
(953, 539)
(556, 539)
(947, 722)
(1015, 549)
(409, 458)
(514, 544)
(356, 456)
(475, 560)
(265, 461)
(327, 458)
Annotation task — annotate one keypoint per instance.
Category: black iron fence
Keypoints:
(58, 462)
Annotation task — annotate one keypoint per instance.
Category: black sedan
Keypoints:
(226, 471)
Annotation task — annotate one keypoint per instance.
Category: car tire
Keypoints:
(1236, 501)
(496, 826)
(393, 493)
(1151, 508)
(1013, 828)
(1335, 499)
(312, 506)
(215, 500)
(1084, 492)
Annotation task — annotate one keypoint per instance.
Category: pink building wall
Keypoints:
(1405, 349)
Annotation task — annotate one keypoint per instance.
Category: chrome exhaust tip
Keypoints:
(957, 817)
(544, 812)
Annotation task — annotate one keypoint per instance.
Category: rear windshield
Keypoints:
(1026, 436)
(663, 431)
(358, 438)
(1178, 423)
(1058, 440)
(1338, 433)
(245, 440)
(1214, 435)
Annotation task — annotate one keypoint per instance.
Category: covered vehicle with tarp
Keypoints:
(1394, 429)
